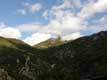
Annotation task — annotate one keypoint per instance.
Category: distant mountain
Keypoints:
(81, 59)
(53, 42)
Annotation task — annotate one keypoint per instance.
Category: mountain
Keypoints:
(14, 55)
(81, 59)
(50, 43)
(13, 43)
(85, 57)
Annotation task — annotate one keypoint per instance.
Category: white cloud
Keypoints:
(103, 20)
(101, 25)
(65, 21)
(93, 7)
(66, 4)
(96, 28)
(2, 25)
(72, 36)
(30, 27)
(35, 7)
(37, 38)
(10, 32)
(30, 8)
(66, 25)
(101, 5)
(22, 11)
(69, 23)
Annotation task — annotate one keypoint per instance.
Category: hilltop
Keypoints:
(52, 42)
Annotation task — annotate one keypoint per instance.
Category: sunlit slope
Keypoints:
(83, 58)
(53, 42)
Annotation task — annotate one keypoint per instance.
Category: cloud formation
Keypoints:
(92, 7)
(30, 8)
(64, 20)
(9, 32)
(29, 27)
(37, 38)
(68, 19)
(72, 36)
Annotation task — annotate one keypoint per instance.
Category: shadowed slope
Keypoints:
(83, 58)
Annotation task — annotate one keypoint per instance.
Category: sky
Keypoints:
(34, 21)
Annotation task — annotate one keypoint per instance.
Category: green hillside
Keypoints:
(50, 43)
(81, 59)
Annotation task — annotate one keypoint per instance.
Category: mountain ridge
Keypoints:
(83, 58)
(52, 42)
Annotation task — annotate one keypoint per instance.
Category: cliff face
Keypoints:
(83, 58)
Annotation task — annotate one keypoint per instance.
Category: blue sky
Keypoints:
(9, 15)
(34, 21)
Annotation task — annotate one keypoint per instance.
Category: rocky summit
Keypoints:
(82, 59)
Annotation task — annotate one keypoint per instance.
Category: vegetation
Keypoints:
(84, 58)
(53, 42)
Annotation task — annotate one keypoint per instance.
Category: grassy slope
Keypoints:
(13, 55)
(50, 43)
(85, 57)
